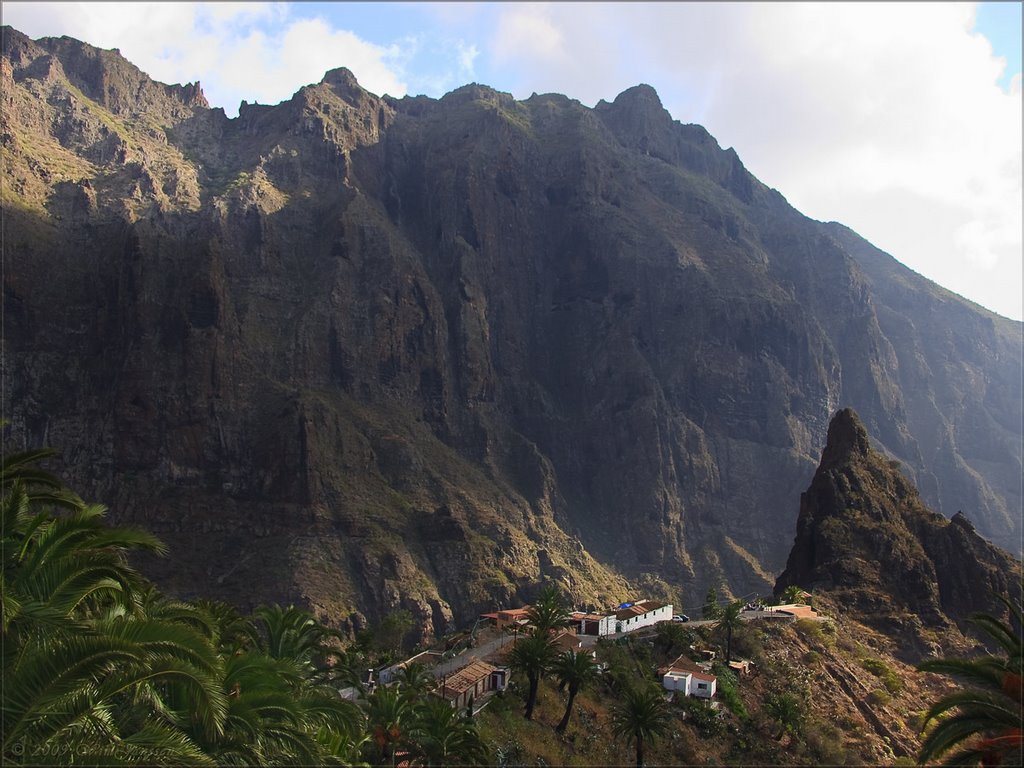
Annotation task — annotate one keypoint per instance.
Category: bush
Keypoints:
(915, 720)
(812, 658)
(881, 670)
(702, 717)
(747, 643)
(814, 631)
(825, 742)
(879, 697)
(787, 710)
(728, 691)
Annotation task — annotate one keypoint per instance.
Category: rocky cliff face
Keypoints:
(373, 353)
(865, 539)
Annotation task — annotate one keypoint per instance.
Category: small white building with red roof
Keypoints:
(689, 678)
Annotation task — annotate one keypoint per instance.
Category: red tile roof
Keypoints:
(461, 681)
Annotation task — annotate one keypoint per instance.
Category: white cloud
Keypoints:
(527, 30)
(272, 68)
(467, 55)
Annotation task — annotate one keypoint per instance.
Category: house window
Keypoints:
(702, 686)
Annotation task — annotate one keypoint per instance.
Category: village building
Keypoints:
(567, 640)
(643, 613)
(593, 624)
(471, 682)
(508, 618)
(689, 678)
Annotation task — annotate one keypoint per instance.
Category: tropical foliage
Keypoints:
(440, 735)
(729, 622)
(549, 611)
(99, 668)
(711, 609)
(574, 670)
(983, 722)
(640, 716)
(533, 655)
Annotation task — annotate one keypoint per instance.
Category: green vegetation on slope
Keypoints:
(101, 668)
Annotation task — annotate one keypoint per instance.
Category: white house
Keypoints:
(702, 685)
(689, 678)
(643, 613)
(595, 624)
(677, 680)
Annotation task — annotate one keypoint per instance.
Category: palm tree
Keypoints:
(989, 712)
(109, 695)
(730, 621)
(533, 655)
(787, 710)
(670, 638)
(293, 633)
(640, 716)
(711, 609)
(574, 670)
(414, 678)
(791, 594)
(549, 610)
(440, 735)
(56, 567)
(387, 709)
(232, 632)
(99, 666)
(21, 467)
(84, 669)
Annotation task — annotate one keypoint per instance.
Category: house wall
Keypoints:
(706, 692)
(605, 626)
(645, 619)
(676, 681)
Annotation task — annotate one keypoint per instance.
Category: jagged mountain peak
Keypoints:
(103, 76)
(847, 439)
(639, 98)
(341, 77)
(344, 83)
(639, 120)
(865, 538)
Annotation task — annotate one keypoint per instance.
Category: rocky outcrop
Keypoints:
(865, 539)
(371, 353)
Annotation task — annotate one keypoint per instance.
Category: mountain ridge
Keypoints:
(350, 344)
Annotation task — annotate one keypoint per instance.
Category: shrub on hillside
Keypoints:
(879, 697)
(825, 742)
(703, 717)
(728, 691)
(814, 632)
(881, 670)
(812, 658)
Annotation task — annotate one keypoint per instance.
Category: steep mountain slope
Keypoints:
(865, 539)
(371, 353)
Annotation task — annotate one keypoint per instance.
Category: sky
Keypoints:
(900, 120)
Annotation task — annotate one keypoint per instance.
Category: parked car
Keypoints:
(681, 617)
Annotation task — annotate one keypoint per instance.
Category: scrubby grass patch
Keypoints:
(885, 673)
(728, 691)
(879, 697)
